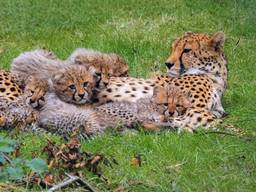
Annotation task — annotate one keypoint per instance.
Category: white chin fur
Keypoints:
(172, 73)
(194, 71)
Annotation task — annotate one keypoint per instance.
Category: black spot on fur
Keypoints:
(12, 89)
(133, 95)
(131, 83)
(144, 92)
(117, 96)
(196, 96)
(2, 90)
(134, 89)
(199, 119)
(209, 120)
(119, 85)
(146, 88)
(7, 83)
(127, 91)
(109, 90)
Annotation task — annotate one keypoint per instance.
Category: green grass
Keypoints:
(141, 31)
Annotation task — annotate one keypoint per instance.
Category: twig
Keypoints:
(72, 179)
(7, 158)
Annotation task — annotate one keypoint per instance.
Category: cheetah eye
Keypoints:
(165, 104)
(186, 50)
(86, 84)
(32, 92)
(98, 74)
(72, 87)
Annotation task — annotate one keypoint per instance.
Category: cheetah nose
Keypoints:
(81, 95)
(169, 65)
(171, 113)
(105, 83)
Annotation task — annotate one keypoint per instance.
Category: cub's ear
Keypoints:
(57, 76)
(217, 41)
(159, 94)
(78, 60)
(188, 33)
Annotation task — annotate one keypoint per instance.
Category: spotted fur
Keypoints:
(9, 89)
(196, 65)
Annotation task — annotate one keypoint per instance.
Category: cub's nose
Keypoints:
(81, 95)
(169, 65)
(171, 113)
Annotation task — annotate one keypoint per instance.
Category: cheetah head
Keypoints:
(35, 91)
(199, 51)
(75, 84)
(105, 65)
(173, 99)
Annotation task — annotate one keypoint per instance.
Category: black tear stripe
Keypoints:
(73, 96)
(182, 67)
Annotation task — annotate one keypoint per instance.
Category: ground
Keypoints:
(141, 31)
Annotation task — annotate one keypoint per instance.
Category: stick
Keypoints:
(7, 158)
(72, 179)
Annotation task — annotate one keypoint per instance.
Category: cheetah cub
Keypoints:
(63, 118)
(106, 64)
(17, 113)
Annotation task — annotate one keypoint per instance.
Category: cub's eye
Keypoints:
(86, 84)
(186, 50)
(165, 104)
(72, 87)
(32, 92)
(98, 74)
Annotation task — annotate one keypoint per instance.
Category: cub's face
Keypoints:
(172, 100)
(35, 91)
(196, 50)
(105, 65)
(74, 84)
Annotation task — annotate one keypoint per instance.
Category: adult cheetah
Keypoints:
(197, 65)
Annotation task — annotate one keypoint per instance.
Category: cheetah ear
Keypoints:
(188, 33)
(217, 40)
(57, 76)
(78, 60)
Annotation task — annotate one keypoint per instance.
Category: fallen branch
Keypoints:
(7, 158)
(72, 179)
